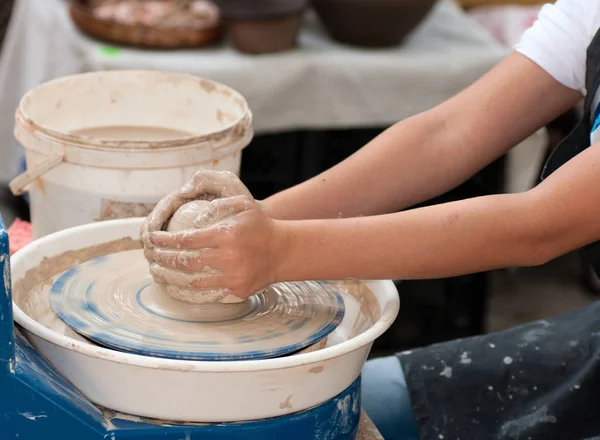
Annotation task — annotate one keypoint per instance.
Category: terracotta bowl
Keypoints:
(263, 26)
(371, 23)
(265, 36)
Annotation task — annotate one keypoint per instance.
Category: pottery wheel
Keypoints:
(112, 301)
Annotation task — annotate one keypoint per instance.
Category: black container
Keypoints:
(371, 23)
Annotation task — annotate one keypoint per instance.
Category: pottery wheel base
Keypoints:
(113, 301)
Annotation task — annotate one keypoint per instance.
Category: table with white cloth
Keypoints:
(321, 85)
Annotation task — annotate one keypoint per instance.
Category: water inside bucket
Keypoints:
(132, 133)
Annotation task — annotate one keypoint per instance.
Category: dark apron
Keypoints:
(539, 381)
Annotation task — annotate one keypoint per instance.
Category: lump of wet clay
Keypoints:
(183, 220)
(184, 217)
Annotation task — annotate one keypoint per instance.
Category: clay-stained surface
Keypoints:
(315, 347)
(159, 388)
(32, 292)
(367, 430)
(186, 219)
(113, 301)
(57, 264)
(114, 210)
(369, 305)
(132, 133)
(200, 204)
(216, 116)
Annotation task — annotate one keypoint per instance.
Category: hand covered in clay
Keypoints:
(241, 249)
(204, 185)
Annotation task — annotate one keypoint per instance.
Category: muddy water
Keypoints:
(132, 133)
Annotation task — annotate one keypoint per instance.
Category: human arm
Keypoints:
(429, 154)
(473, 129)
(525, 229)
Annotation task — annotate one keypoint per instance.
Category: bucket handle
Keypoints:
(19, 184)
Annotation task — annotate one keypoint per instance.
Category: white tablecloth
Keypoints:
(320, 85)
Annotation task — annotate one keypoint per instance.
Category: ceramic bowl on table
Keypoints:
(152, 24)
(371, 23)
(263, 26)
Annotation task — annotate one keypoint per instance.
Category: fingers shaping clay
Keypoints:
(183, 220)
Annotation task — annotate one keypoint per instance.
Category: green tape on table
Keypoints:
(110, 51)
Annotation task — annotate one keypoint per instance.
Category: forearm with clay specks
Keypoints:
(433, 242)
(527, 229)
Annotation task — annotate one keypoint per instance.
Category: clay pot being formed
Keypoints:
(371, 23)
(263, 26)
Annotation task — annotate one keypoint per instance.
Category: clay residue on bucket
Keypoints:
(224, 117)
(113, 210)
(135, 110)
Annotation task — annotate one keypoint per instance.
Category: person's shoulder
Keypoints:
(585, 13)
(559, 39)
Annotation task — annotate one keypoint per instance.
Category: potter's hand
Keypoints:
(205, 185)
(241, 252)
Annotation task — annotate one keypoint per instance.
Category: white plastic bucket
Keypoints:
(75, 178)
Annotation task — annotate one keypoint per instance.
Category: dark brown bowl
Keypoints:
(260, 9)
(261, 36)
(139, 35)
(371, 23)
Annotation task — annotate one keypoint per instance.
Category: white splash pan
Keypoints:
(192, 391)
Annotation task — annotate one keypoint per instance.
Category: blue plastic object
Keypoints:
(38, 403)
